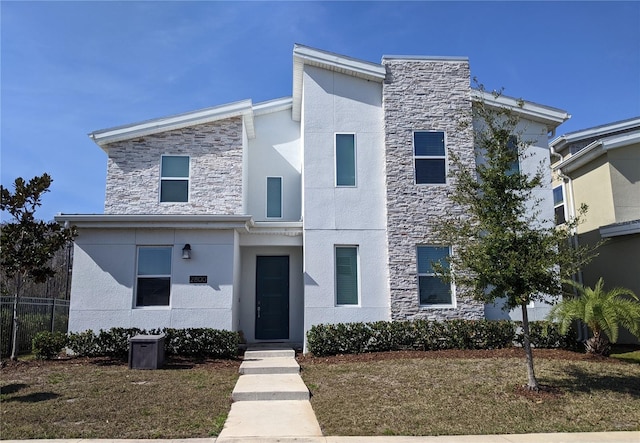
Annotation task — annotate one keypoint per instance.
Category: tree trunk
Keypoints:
(598, 344)
(526, 344)
(14, 335)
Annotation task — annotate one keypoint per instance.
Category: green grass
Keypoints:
(631, 357)
(105, 399)
(447, 396)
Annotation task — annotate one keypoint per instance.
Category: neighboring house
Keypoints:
(601, 167)
(270, 218)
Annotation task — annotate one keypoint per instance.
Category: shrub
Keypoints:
(47, 345)
(355, 338)
(546, 334)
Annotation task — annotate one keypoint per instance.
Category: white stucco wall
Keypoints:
(337, 103)
(275, 152)
(104, 274)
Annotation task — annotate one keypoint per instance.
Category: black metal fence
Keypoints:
(34, 315)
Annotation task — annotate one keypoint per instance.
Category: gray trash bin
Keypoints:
(146, 351)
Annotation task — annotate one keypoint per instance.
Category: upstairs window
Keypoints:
(345, 160)
(558, 205)
(153, 283)
(274, 197)
(432, 290)
(346, 275)
(429, 157)
(512, 147)
(174, 181)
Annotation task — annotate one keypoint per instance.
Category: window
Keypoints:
(174, 182)
(346, 275)
(432, 290)
(345, 160)
(430, 157)
(512, 147)
(274, 197)
(558, 205)
(154, 276)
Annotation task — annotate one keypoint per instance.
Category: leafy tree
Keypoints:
(27, 244)
(602, 311)
(500, 247)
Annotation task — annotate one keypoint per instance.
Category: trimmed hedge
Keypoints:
(356, 338)
(47, 345)
(426, 335)
(200, 342)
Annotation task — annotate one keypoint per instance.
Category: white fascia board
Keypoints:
(128, 221)
(596, 131)
(551, 117)
(242, 108)
(268, 107)
(618, 229)
(304, 55)
(596, 149)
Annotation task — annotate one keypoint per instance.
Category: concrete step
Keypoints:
(261, 387)
(253, 353)
(271, 365)
(270, 419)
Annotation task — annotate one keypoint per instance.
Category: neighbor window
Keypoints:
(346, 275)
(345, 160)
(274, 197)
(174, 181)
(432, 290)
(512, 146)
(154, 276)
(558, 205)
(429, 157)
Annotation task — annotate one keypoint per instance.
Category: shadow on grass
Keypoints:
(35, 397)
(588, 382)
(12, 388)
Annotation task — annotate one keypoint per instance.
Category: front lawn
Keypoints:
(471, 392)
(101, 398)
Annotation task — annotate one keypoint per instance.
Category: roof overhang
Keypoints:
(240, 223)
(242, 109)
(550, 117)
(306, 56)
(596, 149)
(597, 131)
(618, 229)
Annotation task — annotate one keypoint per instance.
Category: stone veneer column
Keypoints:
(215, 187)
(422, 94)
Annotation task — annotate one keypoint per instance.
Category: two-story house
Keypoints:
(269, 218)
(600, 167)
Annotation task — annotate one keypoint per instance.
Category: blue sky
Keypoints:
(70, 68)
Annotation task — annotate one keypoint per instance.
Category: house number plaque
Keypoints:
(197, 279)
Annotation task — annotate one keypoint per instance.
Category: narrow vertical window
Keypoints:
(512, 147)
(174, 178)
(429, 157)
(558, 205)
(346, 275)
(345, 160)
(153, 283)
(432, 290)
(274, 197)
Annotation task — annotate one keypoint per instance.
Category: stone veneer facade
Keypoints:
(422, 94)
(215, 184)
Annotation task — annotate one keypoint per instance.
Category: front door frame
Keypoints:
(272, 310)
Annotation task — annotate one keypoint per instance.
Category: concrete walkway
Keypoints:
(270, 401)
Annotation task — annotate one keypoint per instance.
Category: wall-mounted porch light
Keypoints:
(186, 251)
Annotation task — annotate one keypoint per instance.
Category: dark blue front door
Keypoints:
(272, 297)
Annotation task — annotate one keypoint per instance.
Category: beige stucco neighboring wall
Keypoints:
(625, 182)
(592, 185)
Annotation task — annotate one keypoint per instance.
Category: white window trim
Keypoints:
(445, 157)
(188, 178)
(137, 276)
(335, 276)
(266, 197)
(452, 285)
(563, 204)
(335, 160)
